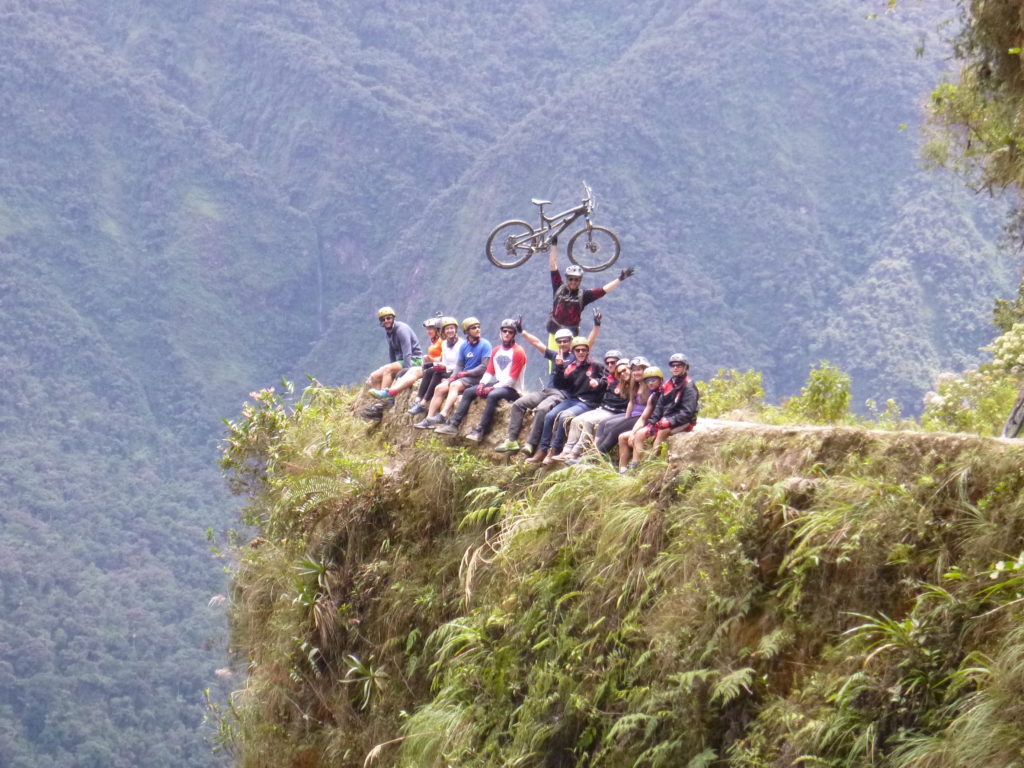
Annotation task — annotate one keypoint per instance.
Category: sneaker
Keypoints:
(446, 429)
(561, 456)
(528, 448)
(476, 435)
(509, 446)
(383, 394)
(417, 409)
(424, 423)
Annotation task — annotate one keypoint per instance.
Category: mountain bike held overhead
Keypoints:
(593, 248)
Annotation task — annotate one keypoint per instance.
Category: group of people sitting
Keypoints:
(588, 407)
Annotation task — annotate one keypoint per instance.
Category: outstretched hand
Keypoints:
(519, 323)
(597, 317)
(627, 272)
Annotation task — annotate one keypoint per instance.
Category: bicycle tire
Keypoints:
(504, 249)
(1015, 421)
(598, 250)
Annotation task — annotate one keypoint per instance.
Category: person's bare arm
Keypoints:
(596, 330)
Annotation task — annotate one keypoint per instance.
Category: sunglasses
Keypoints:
(473, 327)
(676, 365)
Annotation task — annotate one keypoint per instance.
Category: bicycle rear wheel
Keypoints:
(594, 248)
(1015, 422)
(510, 244)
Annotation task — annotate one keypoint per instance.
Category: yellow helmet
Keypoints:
(580, 341)
(468, 323)
(384, 312)
(653, 371)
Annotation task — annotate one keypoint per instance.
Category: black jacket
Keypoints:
(678, 403)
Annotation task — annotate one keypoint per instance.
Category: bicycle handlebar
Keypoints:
(588, 198)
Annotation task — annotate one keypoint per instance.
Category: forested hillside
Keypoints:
(196, 198)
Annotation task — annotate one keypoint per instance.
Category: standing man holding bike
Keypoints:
(569, 297)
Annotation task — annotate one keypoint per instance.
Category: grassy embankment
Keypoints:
(767, 596)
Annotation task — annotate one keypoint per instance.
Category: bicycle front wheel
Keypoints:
(1014, 424)
(594, 248)
(510, 244)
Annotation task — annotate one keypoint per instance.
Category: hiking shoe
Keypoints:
(528, 448)
(509, 446)
(446, 429)
(417, 409)
(383, 394)
(476, 435)
(431, 421)
(373, 412)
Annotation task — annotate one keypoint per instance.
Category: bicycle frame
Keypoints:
(553, 226)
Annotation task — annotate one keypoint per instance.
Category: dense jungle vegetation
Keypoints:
(197, 198)
(767, 596)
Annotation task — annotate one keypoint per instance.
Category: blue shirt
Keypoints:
(473, 355)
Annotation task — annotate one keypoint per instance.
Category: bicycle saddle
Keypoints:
(535, 201)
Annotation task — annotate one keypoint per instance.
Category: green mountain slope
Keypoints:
(752, 161)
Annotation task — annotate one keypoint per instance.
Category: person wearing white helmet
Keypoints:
(541, 401)
(585, 385)
(569, 298)
(403, 349)
(441, 360)
(608, 432)
(474, 354)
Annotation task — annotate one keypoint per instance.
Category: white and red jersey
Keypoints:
(506, 367)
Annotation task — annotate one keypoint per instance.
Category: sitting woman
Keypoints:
(440, 361)
(653, 379)
(617, 396)
(608, 431)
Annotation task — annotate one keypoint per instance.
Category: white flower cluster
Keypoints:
(1008, 350)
